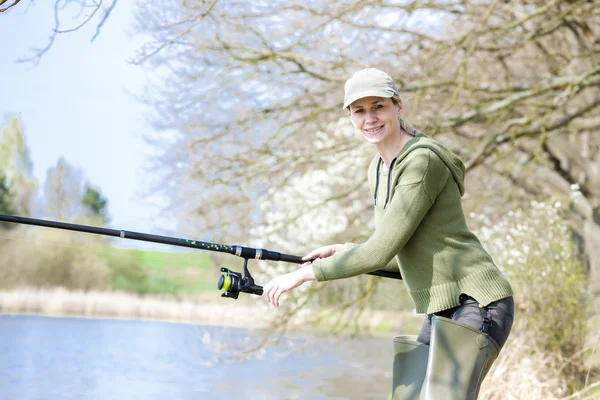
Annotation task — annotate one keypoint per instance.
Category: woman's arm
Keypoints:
(416, 190)
(276, 287)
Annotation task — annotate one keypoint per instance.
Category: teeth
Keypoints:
(373, 129)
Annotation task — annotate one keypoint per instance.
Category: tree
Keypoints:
(6, 206)
(67, 198)
(15, 2)
(63, 192)
(16, 169)
(512, 87)
(80, 13)
(95, 204)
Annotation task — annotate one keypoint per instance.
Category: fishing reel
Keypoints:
(233, 283)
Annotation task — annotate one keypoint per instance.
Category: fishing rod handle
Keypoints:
(263, 254)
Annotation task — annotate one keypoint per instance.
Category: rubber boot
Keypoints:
(410, 366)
(459, 359)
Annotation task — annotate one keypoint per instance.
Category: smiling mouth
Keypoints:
(374, 130)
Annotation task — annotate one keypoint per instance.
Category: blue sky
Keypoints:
(78, 103)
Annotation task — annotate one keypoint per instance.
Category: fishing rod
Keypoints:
(232, 283)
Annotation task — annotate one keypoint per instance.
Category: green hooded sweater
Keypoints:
(420, 223)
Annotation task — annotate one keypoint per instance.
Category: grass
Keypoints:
(177, 273)
(160, 260)
(190, 309)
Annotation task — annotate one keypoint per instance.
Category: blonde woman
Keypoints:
(420, 230)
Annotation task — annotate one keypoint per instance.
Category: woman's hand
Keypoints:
(274, 289)
(325, 251)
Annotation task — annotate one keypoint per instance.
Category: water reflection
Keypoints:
(72, 358)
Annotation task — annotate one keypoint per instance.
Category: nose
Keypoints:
(371, 117)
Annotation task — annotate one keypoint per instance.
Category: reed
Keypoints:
(63, 302)
(526, 371)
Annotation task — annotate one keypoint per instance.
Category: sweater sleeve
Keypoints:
(423, 177)
(392, 266)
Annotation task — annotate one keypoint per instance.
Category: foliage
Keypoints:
(35, 258)
(51, 258)
(494, 79)
(250, 124)
(534, 245)
(67, 198)
(143, 271)
(6, 206)
(127, 273)
(16, 168)
(95, 203)
(62, 191)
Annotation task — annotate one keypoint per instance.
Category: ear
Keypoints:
(399, 107)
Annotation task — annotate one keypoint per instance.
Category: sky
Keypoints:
(79, 103)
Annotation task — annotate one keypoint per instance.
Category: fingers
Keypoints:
(324, 252)
(278, 286)
(273, 295)
(269, 290)
(276, 296)
(272, 291)
(321, 252)
(316, 253)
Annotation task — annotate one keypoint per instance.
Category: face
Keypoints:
(376, 118)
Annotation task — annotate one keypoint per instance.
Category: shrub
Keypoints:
(50, 258)
(534, 247)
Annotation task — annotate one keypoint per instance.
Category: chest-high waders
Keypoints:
(451, 367)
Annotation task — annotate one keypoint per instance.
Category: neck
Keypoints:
(389, 149)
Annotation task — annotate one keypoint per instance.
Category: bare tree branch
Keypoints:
(59, 6)
(192, 25)
(8, 7)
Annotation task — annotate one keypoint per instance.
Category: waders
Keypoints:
(410, 366)
(452, 367)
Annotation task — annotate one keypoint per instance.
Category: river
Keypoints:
(77, 358)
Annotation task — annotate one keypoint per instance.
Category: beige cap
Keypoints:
(369, 82)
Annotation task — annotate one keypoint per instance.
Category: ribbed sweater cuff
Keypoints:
(316, 266)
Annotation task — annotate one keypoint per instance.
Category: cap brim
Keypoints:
(367, 93)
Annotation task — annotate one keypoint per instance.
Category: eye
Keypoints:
(378, 106)
(358, 111)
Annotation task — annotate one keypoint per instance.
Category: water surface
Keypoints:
(76, 358)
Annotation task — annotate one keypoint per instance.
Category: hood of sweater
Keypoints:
(454, 164)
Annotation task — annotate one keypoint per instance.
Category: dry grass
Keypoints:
(523, 371)
(206, 309)
(59, 301)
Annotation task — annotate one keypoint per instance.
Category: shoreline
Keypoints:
(60, 302)
(194, 310)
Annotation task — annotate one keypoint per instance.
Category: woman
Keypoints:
(420, 229)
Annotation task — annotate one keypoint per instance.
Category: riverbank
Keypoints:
(123, 305)
(204, 309)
